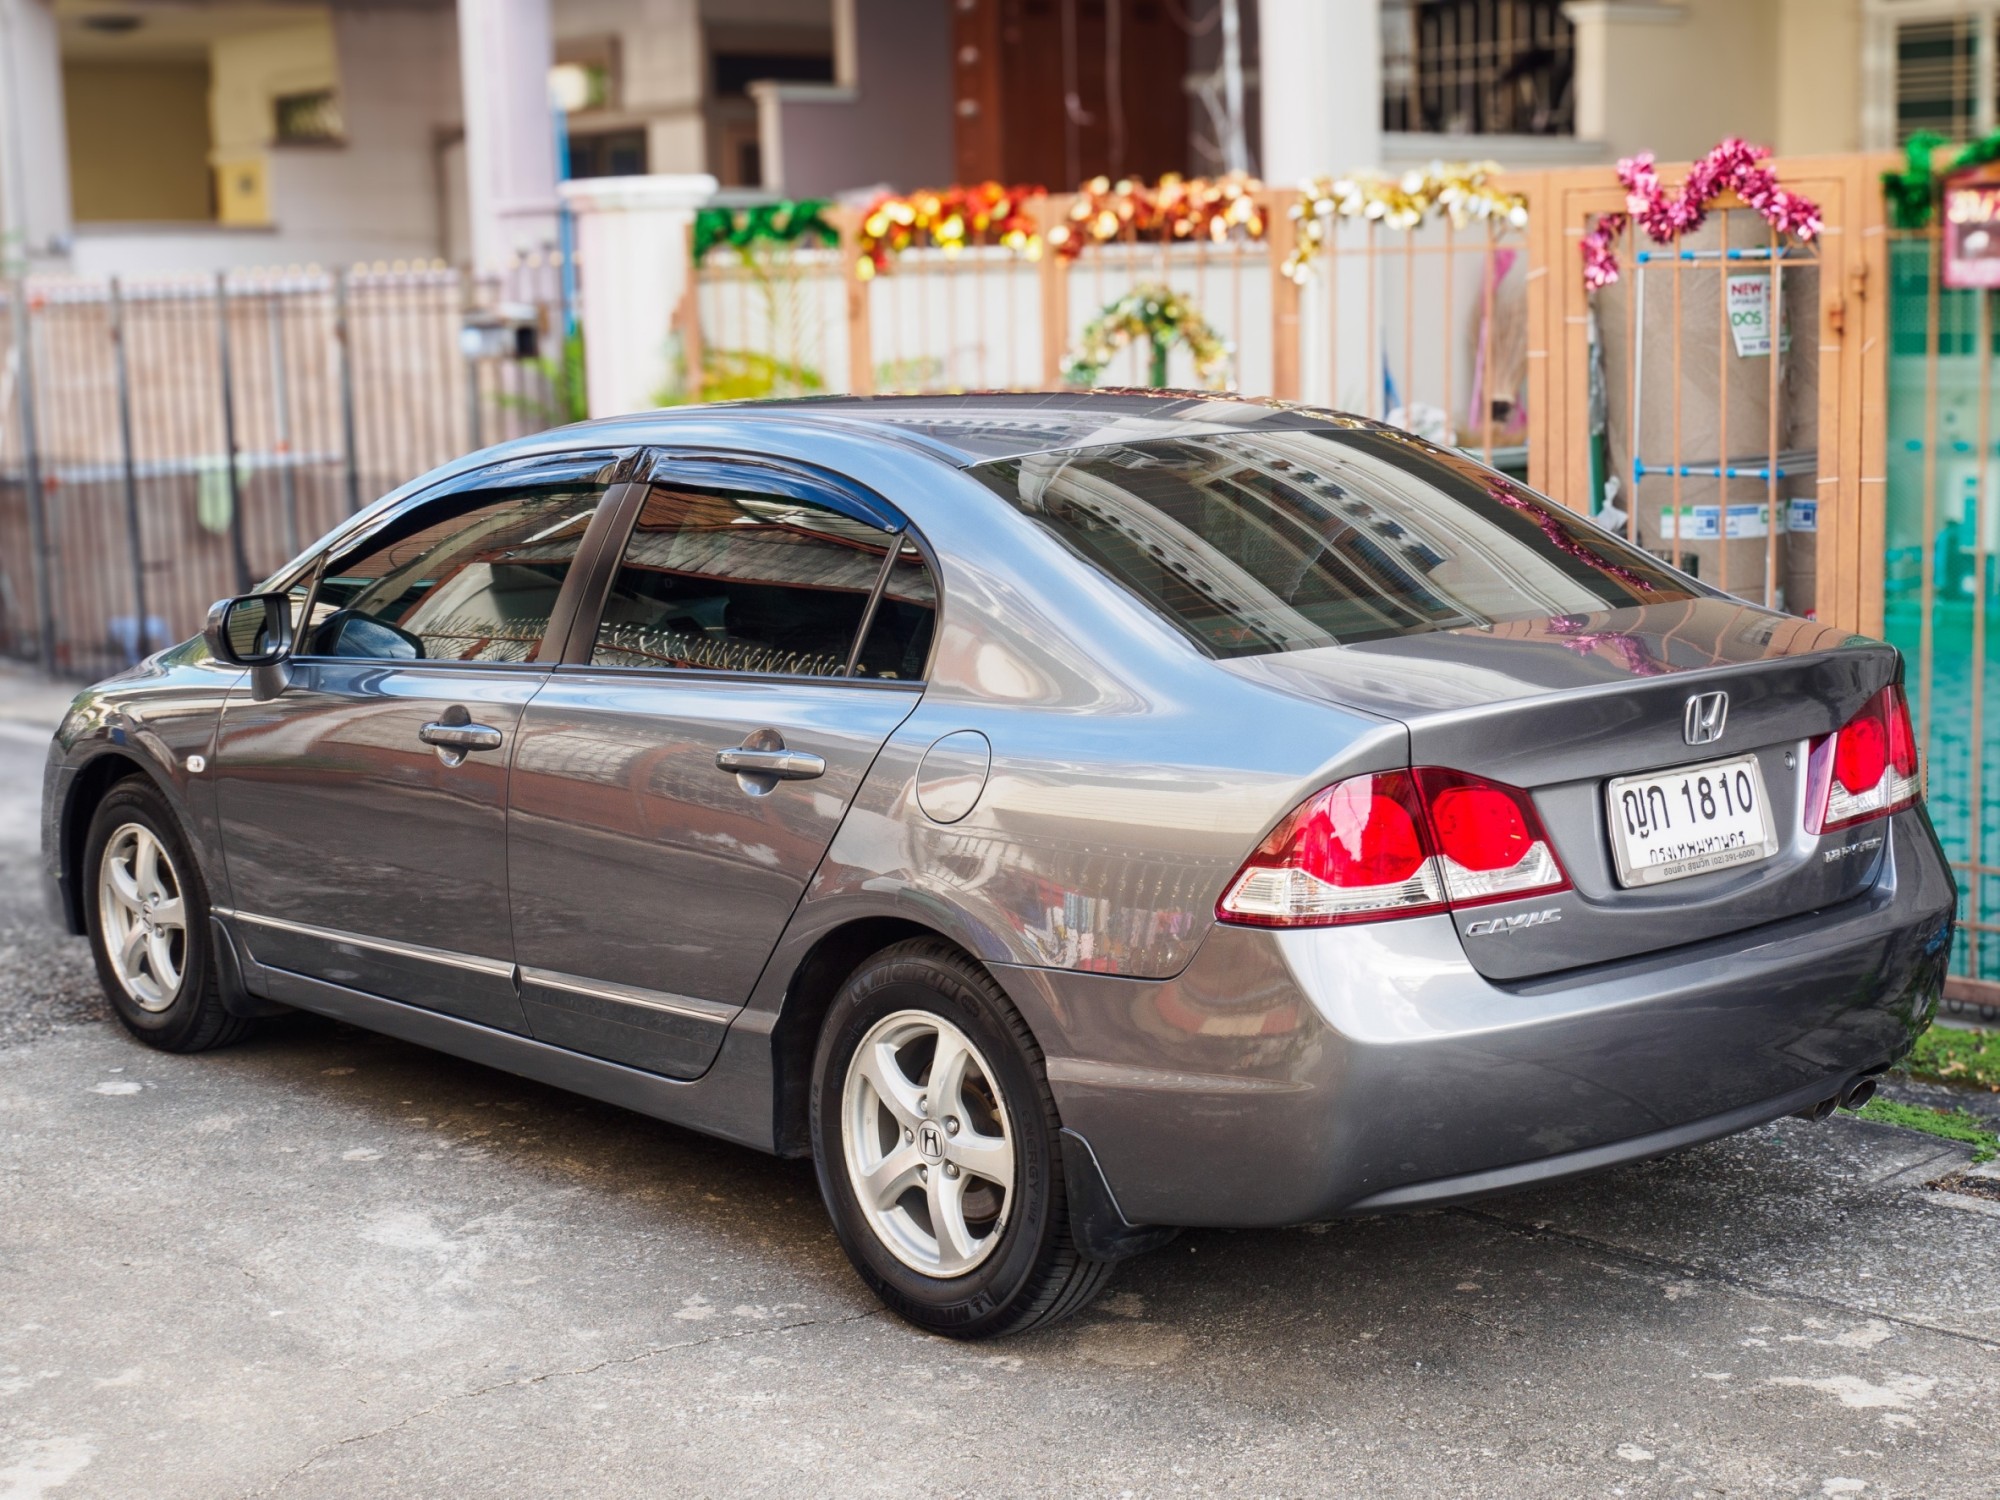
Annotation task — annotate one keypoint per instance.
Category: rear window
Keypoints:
(1283, 541)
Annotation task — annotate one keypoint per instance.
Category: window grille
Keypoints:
(1478, 67)
(1937, 85)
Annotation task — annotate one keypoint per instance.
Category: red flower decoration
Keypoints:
(1733, 166)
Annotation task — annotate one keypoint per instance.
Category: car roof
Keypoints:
(979, 426)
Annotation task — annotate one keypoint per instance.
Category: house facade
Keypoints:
(138, 135)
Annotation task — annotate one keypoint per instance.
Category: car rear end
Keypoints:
(1657, 868)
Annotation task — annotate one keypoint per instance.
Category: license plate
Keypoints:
(1673, 824)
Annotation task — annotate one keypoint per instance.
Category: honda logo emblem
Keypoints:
(1706, 713)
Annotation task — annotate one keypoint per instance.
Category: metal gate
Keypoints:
(1941, 590)
(164, 442)
(1720, 402)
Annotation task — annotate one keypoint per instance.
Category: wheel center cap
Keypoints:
(930, 1141)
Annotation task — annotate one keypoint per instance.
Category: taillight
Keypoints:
(1865, 769)
(1489, 840)
(1394, 844)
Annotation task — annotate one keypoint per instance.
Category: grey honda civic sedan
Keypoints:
(1064, 818)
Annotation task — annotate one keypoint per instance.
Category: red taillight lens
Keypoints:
(1351, 853)
(1394, 844)
(1478, 825)
(1861, 753)
(1866, 769)
(1489, 839)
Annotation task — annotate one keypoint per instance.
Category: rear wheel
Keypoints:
(935, 1139)
(148, 916)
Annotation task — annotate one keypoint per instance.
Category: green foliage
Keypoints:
(1950, 1125)
(740, 375)
(1912, 193)
(562, 375)
(922, 372)
(782, 223)
(1946, 1054)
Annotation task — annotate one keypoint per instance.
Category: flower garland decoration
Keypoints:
(784, 223)
(1162, 317)
(950, 218)
(1733, 166)
(1176, 207)
(1460, 191)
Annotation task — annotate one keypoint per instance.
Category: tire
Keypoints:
(1010, 1265)
(138, 869)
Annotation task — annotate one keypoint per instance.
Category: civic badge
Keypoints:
(1703, 722)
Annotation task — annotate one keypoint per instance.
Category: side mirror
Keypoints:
(252, 630)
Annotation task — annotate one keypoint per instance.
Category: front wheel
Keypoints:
(935, 1139)
(148, 914)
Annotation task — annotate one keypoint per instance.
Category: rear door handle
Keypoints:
(779, 765)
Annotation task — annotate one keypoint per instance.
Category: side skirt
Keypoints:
(731, 1100)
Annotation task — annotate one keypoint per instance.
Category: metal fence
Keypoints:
(1425, 323)
(167, 441)
(1942, 590)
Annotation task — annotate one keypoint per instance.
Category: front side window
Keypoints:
(738, 582)
(472, 577)
(1284, 541)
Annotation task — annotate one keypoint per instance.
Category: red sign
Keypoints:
(1972, 229)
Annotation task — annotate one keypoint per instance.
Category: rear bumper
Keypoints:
(1285, 1077)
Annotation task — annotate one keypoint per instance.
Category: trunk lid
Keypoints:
(1559, 706)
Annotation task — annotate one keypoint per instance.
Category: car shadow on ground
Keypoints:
(419, 1106)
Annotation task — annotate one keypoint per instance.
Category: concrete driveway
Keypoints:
(327, 1264)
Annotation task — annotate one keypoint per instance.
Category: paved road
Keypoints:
(327, 1264)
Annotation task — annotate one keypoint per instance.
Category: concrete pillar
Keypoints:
(1319, 66)
(632, 269)
(504, 53)
(1319, 63)
(34, 145)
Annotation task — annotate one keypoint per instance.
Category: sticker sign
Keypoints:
(1749, 301)
(1703, 523)
(1972, 229)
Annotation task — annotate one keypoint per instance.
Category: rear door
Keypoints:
(681, 775)
(363, 809)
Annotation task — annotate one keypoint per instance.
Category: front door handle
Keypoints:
(456, 736)
(779, 765)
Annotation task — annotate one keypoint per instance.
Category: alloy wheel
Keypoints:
(928, 1146)
(142, 916)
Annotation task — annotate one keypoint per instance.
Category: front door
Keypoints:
(363, 809)
(678, 782)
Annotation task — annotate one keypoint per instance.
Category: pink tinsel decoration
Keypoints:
(1733, 165)
(1561, 539)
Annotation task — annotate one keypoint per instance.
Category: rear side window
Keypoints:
(766, 584)
(1284, 541)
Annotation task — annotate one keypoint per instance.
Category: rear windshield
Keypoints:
(1283, 541)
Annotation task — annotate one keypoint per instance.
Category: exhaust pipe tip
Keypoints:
(1858, 1094)
(1820, 1110)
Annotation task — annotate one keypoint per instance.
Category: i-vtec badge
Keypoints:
(1504, 925)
